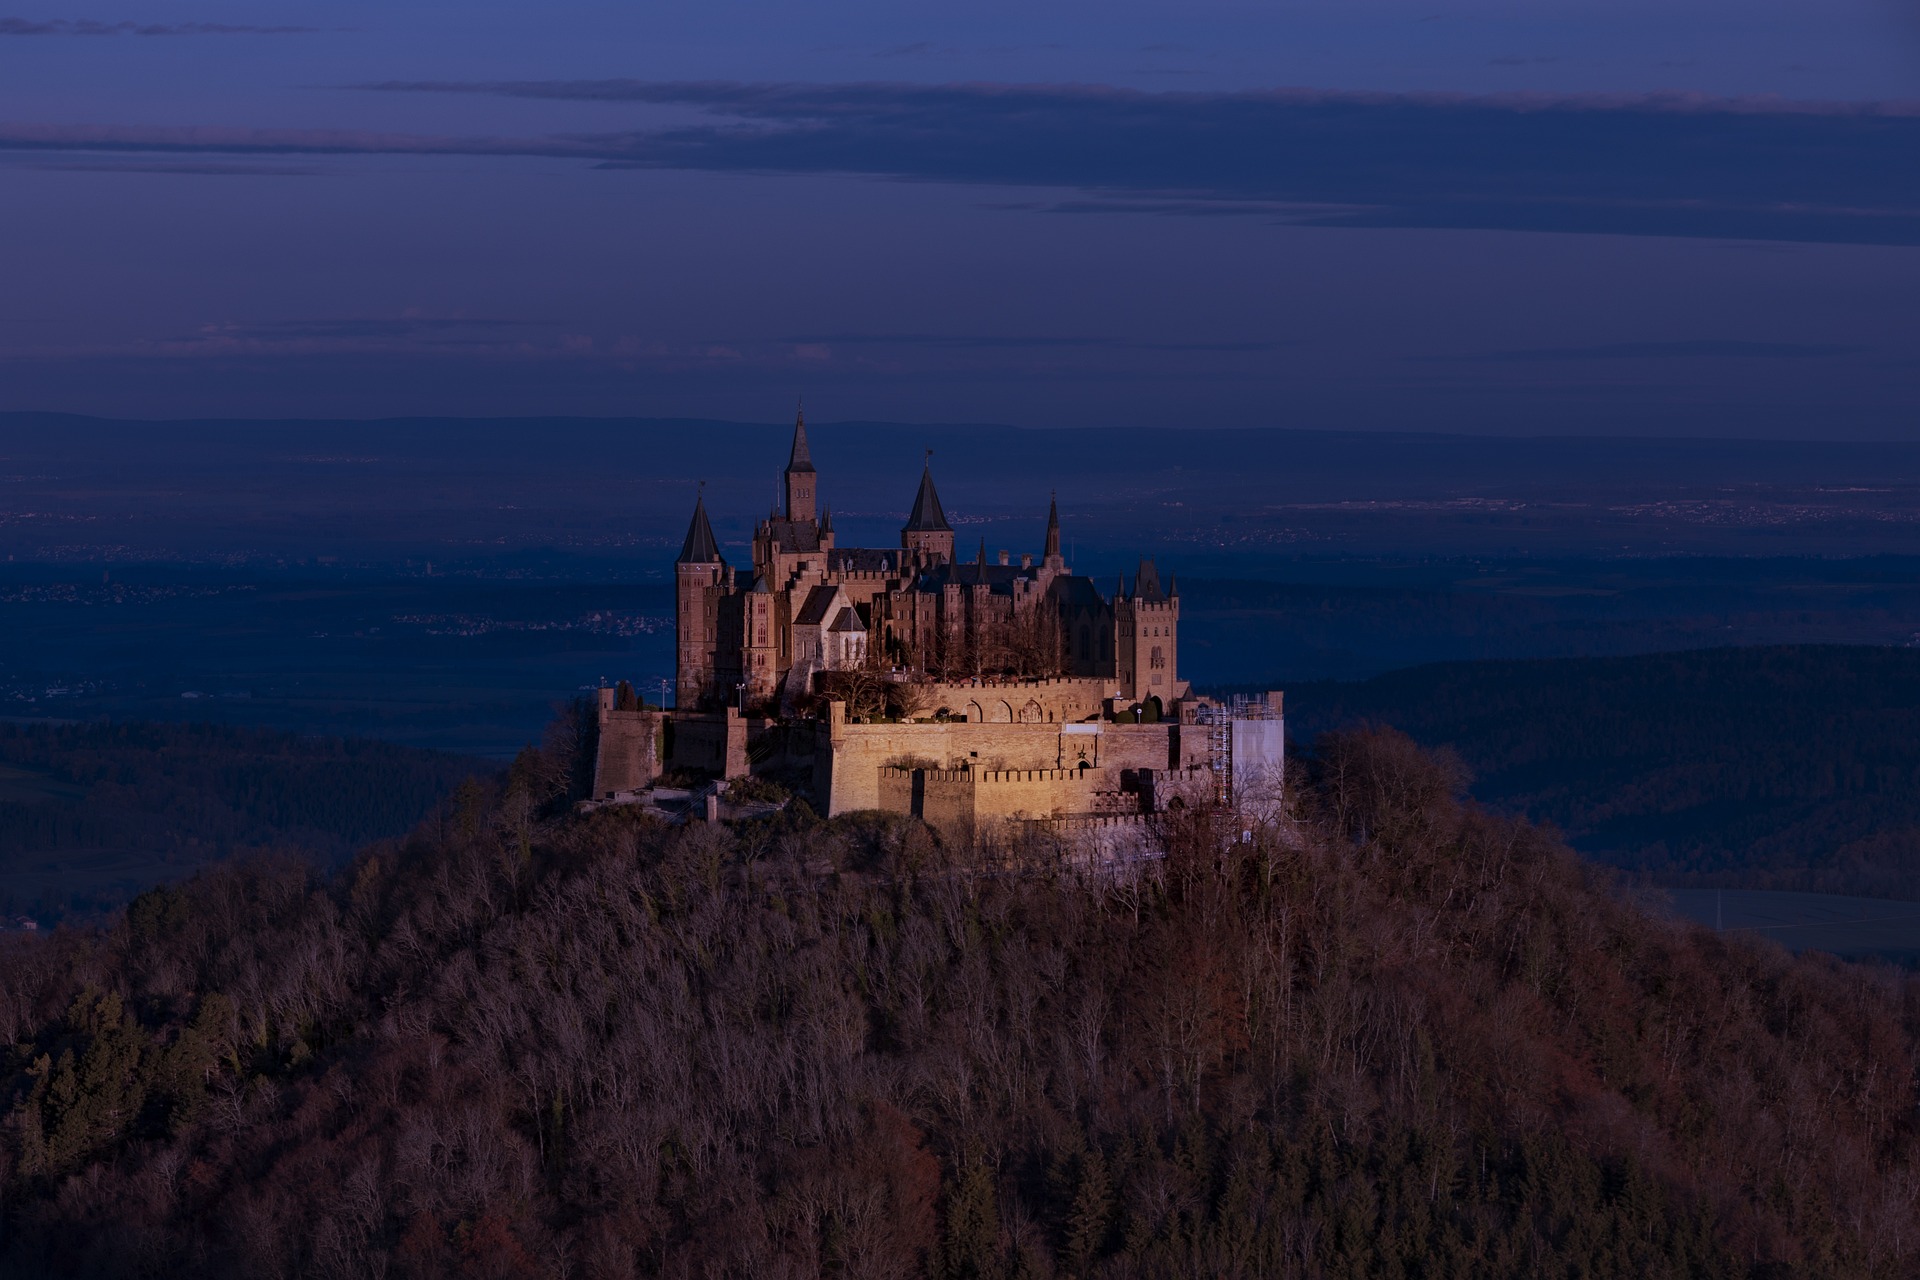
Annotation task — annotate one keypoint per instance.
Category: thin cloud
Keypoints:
(1700, 349)
(1664, 165)
(1028, 341)
(205, 168)
(88, 27)
(1643, 164)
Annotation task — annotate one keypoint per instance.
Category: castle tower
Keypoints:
(699, 582)
(1053, 559)
(800, 476)
(927, 532)
(760, 643)
(1146, 623)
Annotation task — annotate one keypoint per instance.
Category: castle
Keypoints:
(967, 692)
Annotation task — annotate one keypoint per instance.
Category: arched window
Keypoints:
(1158, 658)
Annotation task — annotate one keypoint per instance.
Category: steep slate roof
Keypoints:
(927, 517)
(700, 548)
(814, 611)
(800, 459)
(1079, 593)
(847, 621)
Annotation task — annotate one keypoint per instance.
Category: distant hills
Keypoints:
(91, 814)
(1794, 767)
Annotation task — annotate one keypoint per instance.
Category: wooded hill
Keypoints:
(1407, 1038)
(1764, 768)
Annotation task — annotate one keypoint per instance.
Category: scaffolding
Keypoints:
(1218, 719)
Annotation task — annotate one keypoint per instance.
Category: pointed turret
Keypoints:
(700, 548)
(799, 477)
(927, 532)
(927, 515)
(1173, 586)
(1052, 558)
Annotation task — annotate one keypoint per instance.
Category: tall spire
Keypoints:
(1053, 529)
(927, 515)
(799, 481)
(700, 548)
(799, 459)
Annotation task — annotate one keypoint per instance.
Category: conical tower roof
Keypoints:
(1053, 527)
(800, 459)
(1147, 584)
(927, 517)
(700, 548)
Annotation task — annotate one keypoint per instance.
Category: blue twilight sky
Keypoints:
(1553, 216)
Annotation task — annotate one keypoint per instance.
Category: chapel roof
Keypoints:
(814, 611)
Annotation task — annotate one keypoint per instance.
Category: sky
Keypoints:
(1684, 218)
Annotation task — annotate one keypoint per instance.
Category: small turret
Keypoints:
(700, 576)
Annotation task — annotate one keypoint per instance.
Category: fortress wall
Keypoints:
(1152, 746)
(628, 754)
(848, 762)
(957, 802)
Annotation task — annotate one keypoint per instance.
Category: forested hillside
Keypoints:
(1404, 1038)
(1763, 768)
(90, 813)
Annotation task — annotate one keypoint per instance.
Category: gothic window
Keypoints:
(1159, 658)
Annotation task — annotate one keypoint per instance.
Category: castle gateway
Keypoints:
(964, 691)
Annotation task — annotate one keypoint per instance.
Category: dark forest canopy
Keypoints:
(1399, 1036)
(1792, 767)
(160, 799)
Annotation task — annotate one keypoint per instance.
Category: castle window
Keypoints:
(1159, 657)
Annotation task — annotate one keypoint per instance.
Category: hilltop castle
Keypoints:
(967, 692)
(761, 638)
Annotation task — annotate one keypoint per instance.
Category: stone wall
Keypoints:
(627, 756)
(848, 758)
